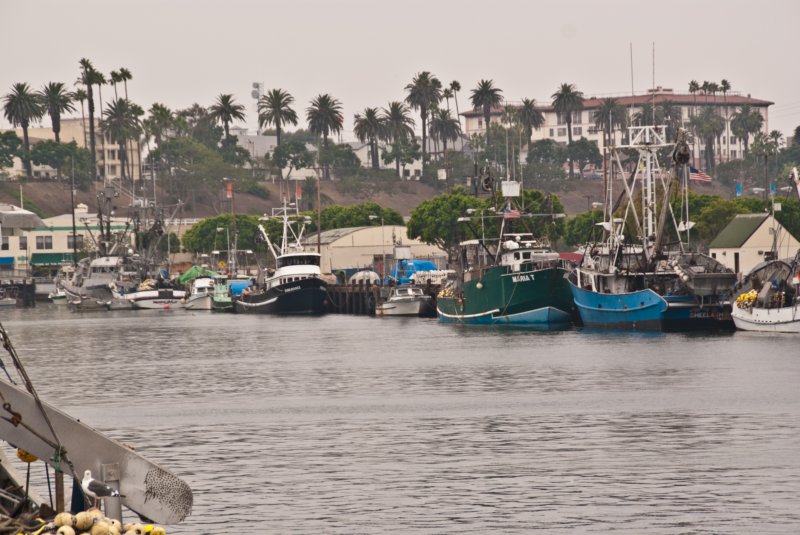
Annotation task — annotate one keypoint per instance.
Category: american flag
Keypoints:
(694, 174)
(511, 214)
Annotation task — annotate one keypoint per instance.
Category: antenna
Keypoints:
(630, 116)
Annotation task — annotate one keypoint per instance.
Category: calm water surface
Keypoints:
(349, 424)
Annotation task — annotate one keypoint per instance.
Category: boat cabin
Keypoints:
(300, 259)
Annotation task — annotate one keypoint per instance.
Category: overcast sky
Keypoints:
(365, 52)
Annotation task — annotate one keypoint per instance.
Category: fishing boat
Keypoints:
(643, 284)
(221, 300)
(406, 300)
(767, 298)
(97, 282)
(200, 294)
(296, 285)
(156, 295)
(513, 279)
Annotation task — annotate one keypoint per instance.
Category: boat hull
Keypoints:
(409, 307)
(500, 296)
(199, 302)
(157, 299)
(776, 320)
(307, 296)
(642, 310)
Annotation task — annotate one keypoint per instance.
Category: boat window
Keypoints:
(526, 255)
(516, 256)
(298, 260)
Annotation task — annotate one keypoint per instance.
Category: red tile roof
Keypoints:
(637, 100)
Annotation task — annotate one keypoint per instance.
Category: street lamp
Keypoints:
(228, 240)
(383, 247)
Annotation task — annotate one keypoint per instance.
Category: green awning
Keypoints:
(51, 259)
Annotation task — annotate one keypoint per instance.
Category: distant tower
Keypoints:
(257, 93)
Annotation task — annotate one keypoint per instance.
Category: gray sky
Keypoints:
(365, 52)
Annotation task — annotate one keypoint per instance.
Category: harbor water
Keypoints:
(343, 424)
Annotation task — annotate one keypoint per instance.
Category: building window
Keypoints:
(23, 243)
(112, 170)
(44, 242)
(577, 131)
(577, 117)
(480, 123)
(733, 154)
(552, 132)
(562, 132)
(406, 173)
(4, 245)
(592, 130)
(78, 241)
(733, 140)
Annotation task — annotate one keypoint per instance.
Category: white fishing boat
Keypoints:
(406, 301)
(200, 294)
(149, 296)
(768, 299)
(58, 296)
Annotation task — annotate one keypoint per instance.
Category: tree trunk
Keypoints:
(123, 159)
(395, 148)
(26, 143)
(374, 149)
(458, 116)
(278, 132)
(92, 141)
(423, 112)
(487, 118)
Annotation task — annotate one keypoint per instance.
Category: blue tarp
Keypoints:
(402, 271)
(6, 260)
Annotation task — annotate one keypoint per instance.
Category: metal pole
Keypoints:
(72, 203)
(383, 252)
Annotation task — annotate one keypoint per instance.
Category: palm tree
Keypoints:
(89, 77)
(275, 108)
(670, 114)
(124, 76)
(160, 121)
(80, 95)
(530, 118)
(225, 110)
(122, 124)
(746, 122)
(447, 94)
(645, 116)
(725, 86)
(21, 107)
(371, 127)
(694, 87)
(708, 125)
(610, 115)
(566, 101)
(56, 101)
(455, 87)
(114, 78)
(399, 126)
(484, 98)
(324, 117)
(424, 91)
(445, 127)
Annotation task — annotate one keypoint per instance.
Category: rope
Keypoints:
(3, 365)
(59, 452)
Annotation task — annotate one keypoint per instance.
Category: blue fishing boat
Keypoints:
(649, 284)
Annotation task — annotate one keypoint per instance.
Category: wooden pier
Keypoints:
(362, 297)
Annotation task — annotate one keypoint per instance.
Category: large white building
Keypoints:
(369, 247)
(77, 129)
(583, 122)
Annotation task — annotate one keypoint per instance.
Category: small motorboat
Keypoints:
(406, 301)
